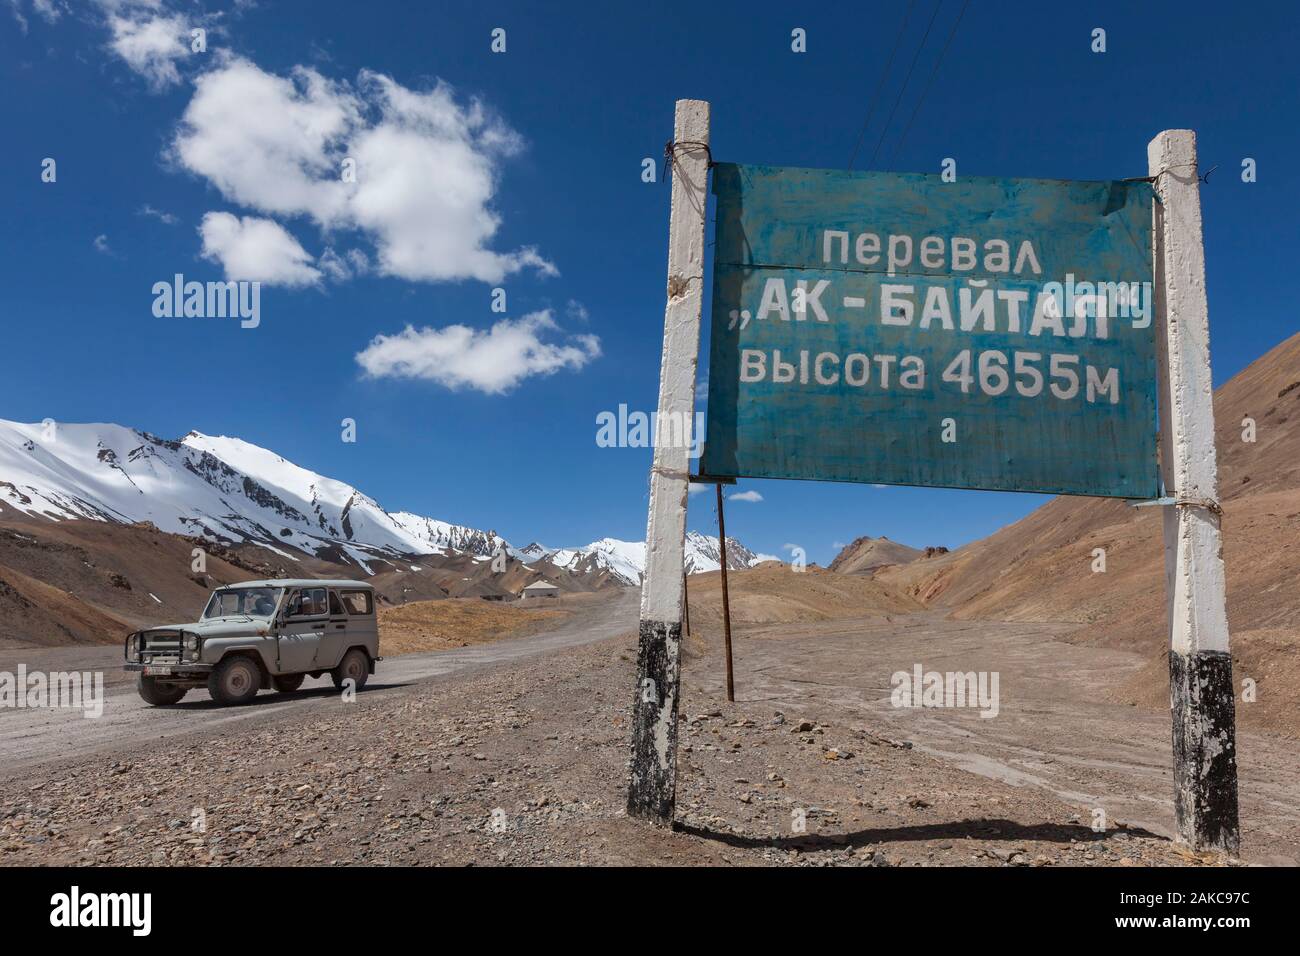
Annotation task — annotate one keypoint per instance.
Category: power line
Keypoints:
(881, 83)
(928, 83)
(906, 80)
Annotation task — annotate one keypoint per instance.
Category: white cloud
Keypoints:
(426, 165)
(255, 249)
(101, 245)
(149, 40)
(266, 142)
(165, 217)
(492, 362)
(745, 496)
(343, 267)
(145, 34)
(697, 489)
(49, 10)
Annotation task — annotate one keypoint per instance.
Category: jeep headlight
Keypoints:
(192, 647)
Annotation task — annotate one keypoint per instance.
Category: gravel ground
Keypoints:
(526, 764)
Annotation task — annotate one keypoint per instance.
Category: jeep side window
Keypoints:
(336, 609)
(308, 603)
(358, 602)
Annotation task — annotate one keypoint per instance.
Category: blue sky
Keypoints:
(557, 214)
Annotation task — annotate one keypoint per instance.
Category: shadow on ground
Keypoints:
(990, 829)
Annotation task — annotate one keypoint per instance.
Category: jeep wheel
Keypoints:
(236, 680)
(287, 683)
(157, 693)
(355, 665)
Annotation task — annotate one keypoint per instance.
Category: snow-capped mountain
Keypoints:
(438, 536)
(702, 554)
(228, 490)
(626, 559)
(535, 550)
(224, 489)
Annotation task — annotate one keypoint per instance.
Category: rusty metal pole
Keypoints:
(726, 602)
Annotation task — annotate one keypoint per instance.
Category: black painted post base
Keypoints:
(652, 787)
(1205, 750)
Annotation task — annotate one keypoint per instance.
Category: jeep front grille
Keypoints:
(162, 645)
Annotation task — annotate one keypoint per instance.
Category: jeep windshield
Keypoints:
(242, 602)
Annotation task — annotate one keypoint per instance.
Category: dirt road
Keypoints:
(29, 737)
(516, 753)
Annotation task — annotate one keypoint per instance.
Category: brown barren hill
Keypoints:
(1041, 568)
(90, 582)
(774, 593)
(32, 608)
(459, 622)
(868, 554)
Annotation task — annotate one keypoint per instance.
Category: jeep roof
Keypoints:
(299, 583)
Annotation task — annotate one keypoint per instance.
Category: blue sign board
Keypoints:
(900, 328)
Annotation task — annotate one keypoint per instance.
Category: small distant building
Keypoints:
(539, 590)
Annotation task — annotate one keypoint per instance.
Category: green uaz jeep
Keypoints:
(261, 634)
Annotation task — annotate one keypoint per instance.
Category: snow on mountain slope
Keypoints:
(220, 488)
(320, 506)
(702, 554)
(229, 490)
(626, 559)
(437, 536)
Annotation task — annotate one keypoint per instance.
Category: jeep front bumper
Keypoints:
(170, 670)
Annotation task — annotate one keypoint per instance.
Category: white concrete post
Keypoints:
(1200, 664)
(653, 782)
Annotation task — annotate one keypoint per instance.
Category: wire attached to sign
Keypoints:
(1204, 178)
(670, 154)
(1208, 504)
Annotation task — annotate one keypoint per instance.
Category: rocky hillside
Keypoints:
(774, 594)
(868, 554)
(82, 581)
(1042, 567)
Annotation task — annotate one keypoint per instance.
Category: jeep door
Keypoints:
(335, 636)
(299, 640)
